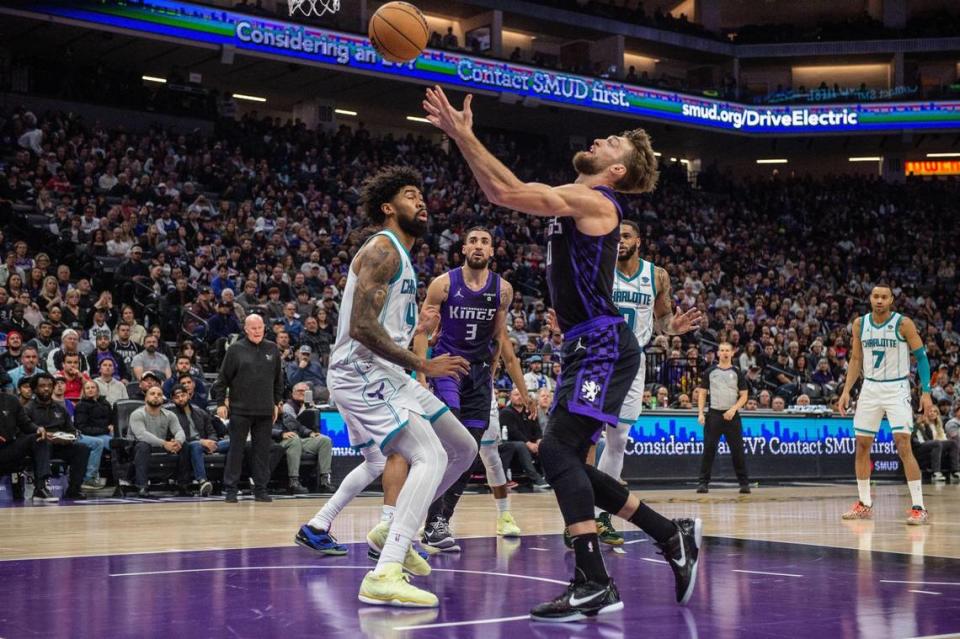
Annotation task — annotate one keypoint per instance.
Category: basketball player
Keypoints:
(641, 292)
(601, 356)
(882, 344)
(380, 403)
(472, 302)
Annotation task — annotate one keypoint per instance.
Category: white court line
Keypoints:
(925, 592)
(761, 572)
(921, 583)
(540, 549)
(949, 635)
(315, 567)
(634, 541)
(654, 561)
(476, 622)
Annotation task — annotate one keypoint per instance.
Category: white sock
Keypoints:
(863, 487)
(394, 550)
(387, 513)
(503, 505)
(916, 492)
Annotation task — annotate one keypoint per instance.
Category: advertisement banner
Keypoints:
(255, 35)
(668, 445)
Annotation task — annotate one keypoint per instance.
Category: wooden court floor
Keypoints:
(792, 514)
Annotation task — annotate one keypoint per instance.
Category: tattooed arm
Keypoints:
(664, 318)
(377, 264)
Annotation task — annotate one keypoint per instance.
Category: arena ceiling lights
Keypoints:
(345, 112)
(773, 161)
(214, 27)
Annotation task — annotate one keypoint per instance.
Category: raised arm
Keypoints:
(854, 367)
(665, 319)
(498, 183)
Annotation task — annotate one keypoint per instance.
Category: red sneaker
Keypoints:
(918, 517)
(859, 511)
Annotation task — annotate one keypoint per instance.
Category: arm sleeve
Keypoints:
(139, 429)
(923, 368)
(705, 379)
(224, 375)
(742, 381)
(278, 380)
(173, 425)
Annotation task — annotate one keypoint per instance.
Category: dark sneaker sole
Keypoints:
(611, 541)
(698, 538)
(579, 616)
(333, 552)
(436, 550)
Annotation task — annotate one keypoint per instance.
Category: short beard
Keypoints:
(626, 256)
(413, 226)
(584, 164)
(478, 264)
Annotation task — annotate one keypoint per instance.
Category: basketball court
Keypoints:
(779, 563)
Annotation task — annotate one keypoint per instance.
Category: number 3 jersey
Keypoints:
(467, 318)
(398, 316)
(634, 298)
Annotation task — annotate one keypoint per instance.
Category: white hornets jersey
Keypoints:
(398, 317)
(886, 355)
(634, 298)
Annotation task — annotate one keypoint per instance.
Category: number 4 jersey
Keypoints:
(398, 316)
(634, 298)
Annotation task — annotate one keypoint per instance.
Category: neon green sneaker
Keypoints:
(413, 562)
(507, 526)
(392, 587)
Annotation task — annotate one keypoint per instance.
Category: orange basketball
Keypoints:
(399, 31)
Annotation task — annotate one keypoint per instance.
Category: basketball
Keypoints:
(399, 31)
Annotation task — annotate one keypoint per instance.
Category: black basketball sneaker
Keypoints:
(682, 552)
(581, 600)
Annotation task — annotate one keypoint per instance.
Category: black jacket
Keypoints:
(252, 376)
(93, 417)
(203, 427)
(14, 421)
(520, 428)
(53, 416)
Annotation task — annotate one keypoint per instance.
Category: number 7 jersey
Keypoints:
(634, 298)
(398, 316)
(886, 355)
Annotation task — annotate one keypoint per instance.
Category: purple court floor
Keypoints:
(745, 590)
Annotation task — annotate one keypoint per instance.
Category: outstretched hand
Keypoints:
(685, 322)
(442, 115)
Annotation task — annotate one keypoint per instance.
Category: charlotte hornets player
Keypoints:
(882, 344)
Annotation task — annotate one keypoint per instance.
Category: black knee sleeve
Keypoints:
(608, 494)
(562, 451)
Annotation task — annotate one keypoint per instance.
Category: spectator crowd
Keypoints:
(131, 258)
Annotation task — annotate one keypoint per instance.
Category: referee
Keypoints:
(728, 394)
(249, 388)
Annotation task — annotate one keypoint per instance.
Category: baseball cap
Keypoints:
(152, 374)
(177, 388)
(535, 359)
(305, 349)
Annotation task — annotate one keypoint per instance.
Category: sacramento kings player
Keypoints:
(601, 356)
(641, 292)
(472, 302)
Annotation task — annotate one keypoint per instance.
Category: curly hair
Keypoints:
(380, 188)
(641, 163)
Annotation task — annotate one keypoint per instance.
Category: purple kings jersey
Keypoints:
(580, 269)
(466, 318)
